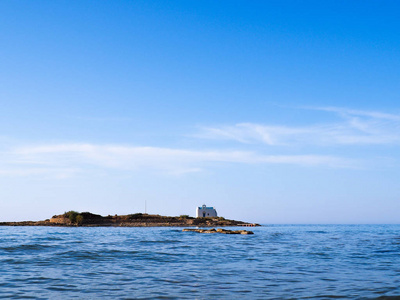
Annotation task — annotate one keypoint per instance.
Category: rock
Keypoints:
(219, 230)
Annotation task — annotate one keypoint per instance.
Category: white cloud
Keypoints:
(66, 160)
(352, 128)
(355, 112)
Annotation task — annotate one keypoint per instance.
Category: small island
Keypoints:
(87, 219)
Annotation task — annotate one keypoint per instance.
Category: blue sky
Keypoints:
(271, 111)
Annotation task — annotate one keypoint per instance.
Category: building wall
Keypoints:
(205, 211)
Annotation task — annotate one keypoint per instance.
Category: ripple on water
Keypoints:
(277, 262)
(20, 249)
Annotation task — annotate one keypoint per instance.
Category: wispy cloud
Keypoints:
(353, 127)
(355, 112)
(251, 132)
(69, 159)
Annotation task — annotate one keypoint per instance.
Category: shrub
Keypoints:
(135, 216)
(74, 217)
(79, 219)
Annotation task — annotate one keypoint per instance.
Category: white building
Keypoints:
(204, 211)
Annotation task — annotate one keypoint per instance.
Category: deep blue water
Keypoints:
(277, 262)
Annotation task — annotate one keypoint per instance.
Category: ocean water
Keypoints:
(277, 262)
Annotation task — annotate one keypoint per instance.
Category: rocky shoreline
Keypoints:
(86, 219)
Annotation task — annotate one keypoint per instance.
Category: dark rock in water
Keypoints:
(220, 230)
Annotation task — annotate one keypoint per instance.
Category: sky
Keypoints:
(277, 112)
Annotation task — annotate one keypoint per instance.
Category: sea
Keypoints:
(277, 262)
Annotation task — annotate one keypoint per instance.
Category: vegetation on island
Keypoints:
(185, 217)
(74, 216)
